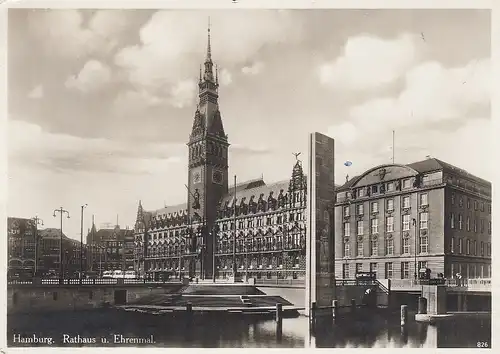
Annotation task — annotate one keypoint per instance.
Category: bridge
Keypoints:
(476, 285)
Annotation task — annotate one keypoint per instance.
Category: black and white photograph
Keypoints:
(244, 177)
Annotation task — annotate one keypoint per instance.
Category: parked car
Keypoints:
(118, 274)
(107, 274)
(130, 274)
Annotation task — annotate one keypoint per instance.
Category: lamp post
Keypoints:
(36, 221)
(61, 211)
(214, 249)
(81, 243)
(414, 222)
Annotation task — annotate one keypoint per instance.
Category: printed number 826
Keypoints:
(482, 345)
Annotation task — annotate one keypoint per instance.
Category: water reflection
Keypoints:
(216, 331)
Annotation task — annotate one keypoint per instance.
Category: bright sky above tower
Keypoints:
(101, 102)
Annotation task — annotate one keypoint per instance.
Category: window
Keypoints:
(390, 187)
(460, 221)
(345, 271)
(475, 248)
(346, 249)
(406, 202)
(482, 249)
(423, 199)
(390, 204)
(460, 246)
(375, 207)
(452, 198)
(461, 202)
(359, 209)
(373, 268)
(406, 183)
(405, 270)
(361, 192)
(475, 205)
(468, 203)
(389, 247)
(389, 222)
(489, 208)
(388, 270)
(482, 206)
(482, 226)
(347, 229)
(374, 226)
(424, 220)
(488, 249)
(422, 264)
(373, 247)
(374, 189)
(359, 267)
(360, 227)
(489, 227)
(406, 222)
(452, 220)
(475, 225)
(452, 245)
(346, 210)
(360, 249)
(406, 245)
(424, 243)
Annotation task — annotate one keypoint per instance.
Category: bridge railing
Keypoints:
(98, 281)
(473, 284)
(280, 282)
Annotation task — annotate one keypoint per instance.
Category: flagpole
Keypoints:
(393, 133)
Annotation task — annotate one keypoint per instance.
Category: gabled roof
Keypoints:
(51, 233)
(260, 188)
(169, 210)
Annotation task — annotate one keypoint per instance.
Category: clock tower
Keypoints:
(208, 149)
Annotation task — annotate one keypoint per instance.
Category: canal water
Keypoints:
(235, 331)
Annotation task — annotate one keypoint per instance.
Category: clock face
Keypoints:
(217, 177)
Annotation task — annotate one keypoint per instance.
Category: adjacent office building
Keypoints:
(397, 219)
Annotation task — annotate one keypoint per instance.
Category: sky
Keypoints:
(101, 102)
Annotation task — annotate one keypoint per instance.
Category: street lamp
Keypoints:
(414, 222)
(36, 221)
(61, 211)
(81, 243)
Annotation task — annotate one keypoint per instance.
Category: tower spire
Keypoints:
(209, 48)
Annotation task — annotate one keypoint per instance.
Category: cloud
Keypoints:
(160, 57)
(37, 92)
(432, 94)
(225, 77)
(369, 62)
(254, 69)
(63, 32)
(183, 93)
(31, 147)
(93, 76)
(438, 111)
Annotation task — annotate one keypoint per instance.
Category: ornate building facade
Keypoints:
(110, 249)
(223, 230)
(397, 219)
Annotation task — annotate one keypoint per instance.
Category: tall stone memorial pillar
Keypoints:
(320, 242)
